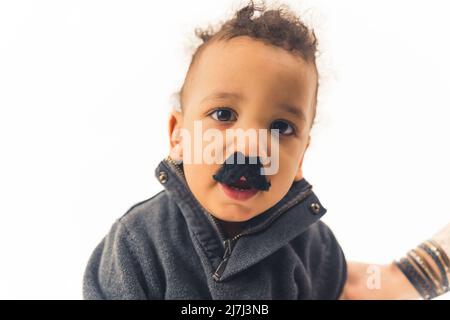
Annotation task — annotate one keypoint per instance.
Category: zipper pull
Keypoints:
(221, 268)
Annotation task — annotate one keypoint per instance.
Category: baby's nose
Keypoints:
(259, 147)
(250, 141)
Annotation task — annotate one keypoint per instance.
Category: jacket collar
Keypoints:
(263, 234)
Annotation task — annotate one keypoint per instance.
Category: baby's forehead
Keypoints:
(245, 53)
(243, 63)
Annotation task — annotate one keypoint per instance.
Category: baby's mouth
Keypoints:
(241, 181)
(239, 190)
(240, 184)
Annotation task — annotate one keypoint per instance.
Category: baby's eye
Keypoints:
(283, 127)
(223, 114)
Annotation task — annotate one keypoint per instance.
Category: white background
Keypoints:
(85, 91)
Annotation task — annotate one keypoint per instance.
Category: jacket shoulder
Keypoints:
(145, 208)
(323, 255)
(125, 264)
(151, 215)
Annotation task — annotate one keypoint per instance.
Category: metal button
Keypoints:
(315, 207)
(162, 176)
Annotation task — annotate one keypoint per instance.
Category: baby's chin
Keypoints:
(233, 213)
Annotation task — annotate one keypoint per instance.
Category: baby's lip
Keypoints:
(238, 194)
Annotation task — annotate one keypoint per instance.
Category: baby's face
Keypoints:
(246, 84)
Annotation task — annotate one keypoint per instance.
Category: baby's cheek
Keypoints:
(199, 177)
(288, 161)
(283, 179)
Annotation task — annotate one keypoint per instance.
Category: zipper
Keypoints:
(228, 243)
(267, 223)
(219, 228)
(176, 165)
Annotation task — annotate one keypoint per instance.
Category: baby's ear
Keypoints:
(175, 120)
(299, 174)
(174, 128)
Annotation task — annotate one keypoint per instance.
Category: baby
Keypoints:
(226, 226)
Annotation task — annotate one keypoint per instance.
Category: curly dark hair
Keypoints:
(279, 27)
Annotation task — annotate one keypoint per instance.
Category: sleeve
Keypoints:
(114, 270)
(331, 269)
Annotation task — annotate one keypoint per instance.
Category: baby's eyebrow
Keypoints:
(223, 95)
(295, 111)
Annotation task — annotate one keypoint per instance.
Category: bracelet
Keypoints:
(422, 272)
(414, 278)
(426, 270)
(434, 254)
(441, 253)
(442, 240)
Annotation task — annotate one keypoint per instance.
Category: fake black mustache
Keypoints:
(231, 173)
